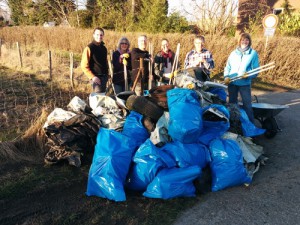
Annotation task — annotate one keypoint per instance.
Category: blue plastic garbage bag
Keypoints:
(185, 124)
(173, 182)
(218, 91)
(214, 126)
(147, 162)
(111, 161)
(248, 128)
(185, 155)
(227, 165)
(134, 128)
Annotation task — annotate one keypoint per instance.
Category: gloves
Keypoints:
(125, 55)
(190, 86)
(227, 80)
(245, 75)
(174, 74)
(96, 80)
(124, 61)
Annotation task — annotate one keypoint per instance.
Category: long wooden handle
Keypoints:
(140, 72)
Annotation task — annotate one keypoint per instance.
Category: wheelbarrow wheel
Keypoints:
(271, 127)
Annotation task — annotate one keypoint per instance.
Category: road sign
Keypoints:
(270, 21)
(269, 32)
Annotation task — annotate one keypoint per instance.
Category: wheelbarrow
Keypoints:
(265, 113)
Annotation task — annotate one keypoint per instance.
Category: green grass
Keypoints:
(27, 179)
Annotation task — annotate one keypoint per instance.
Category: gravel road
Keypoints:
(273, 198)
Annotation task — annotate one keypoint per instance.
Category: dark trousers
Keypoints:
(102, 87)
(245, 92)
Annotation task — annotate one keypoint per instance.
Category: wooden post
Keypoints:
(20, 55)
(50, 65)
(71, 68)
(0, 46)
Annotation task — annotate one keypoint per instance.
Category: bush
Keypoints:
(290, 24)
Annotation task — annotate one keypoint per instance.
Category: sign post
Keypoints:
(270, 22)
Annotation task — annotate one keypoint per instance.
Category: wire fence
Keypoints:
(22, 98)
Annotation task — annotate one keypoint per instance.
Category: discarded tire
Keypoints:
(159, 95)
(144, 106)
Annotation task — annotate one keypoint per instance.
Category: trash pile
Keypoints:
(159, 144)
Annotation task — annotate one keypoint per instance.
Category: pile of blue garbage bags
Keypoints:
(130, 160)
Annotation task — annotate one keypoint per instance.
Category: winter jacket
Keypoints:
(160, 63)
(94, 60)
(118, 77)
(136, 54)
(238, 63)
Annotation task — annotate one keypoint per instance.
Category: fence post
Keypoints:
(20, 55)
(71, 68)
(50, 65)
(0, 46)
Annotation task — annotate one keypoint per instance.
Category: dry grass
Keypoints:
(36, 41)
(30, 147)
(48, 184)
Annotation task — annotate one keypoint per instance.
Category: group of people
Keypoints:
(132, 68)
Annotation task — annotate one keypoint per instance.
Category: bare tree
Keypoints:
(211, 16)
(4, 9)
(61, 8)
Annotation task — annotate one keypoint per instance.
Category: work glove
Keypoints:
(227, 80)
(124, 61)
(174, 74)
(245, 75)
(96, 80)
(190, 86)
(125, 55)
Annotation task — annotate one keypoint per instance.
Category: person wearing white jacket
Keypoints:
(240, 61)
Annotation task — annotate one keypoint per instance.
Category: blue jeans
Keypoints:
(245, 92)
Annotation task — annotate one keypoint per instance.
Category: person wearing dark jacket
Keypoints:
(163, 63)
(136, 55)
(121, 57)
(94, 62)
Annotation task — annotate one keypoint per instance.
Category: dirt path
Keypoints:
(274, 196)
